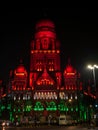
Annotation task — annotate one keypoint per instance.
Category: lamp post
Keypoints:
(92, 67)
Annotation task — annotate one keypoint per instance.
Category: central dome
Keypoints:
(45, 23)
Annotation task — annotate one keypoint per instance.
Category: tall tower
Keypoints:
(20, 78)
(18, 93)
(72, 89)
(45, 71)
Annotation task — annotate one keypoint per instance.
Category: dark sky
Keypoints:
(76, 28)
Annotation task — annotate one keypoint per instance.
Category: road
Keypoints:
(50, 128)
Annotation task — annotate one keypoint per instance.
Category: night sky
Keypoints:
(76, 29)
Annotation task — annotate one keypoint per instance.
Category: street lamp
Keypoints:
(92, 67)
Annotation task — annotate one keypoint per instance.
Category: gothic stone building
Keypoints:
(45, 90)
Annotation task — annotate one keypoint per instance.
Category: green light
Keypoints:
(81, 108)
(51, 106)
(85, 117)
(10, 115)
(62, 106)
(76, 108)
(18, 110)
(71, 109)
(9, 106)
(3, 107)
(67, 109)
(28, 108)
(14, 110)
(38, 106)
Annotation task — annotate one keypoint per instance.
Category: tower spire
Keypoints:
(45, 13)
(69, 61)
(21, 61)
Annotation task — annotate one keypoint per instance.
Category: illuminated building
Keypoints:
(45, 71)
(45, 90)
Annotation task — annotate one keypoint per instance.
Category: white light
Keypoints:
(90, 67)
(93, 68)
(96, 66)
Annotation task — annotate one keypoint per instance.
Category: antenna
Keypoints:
(69, 62)
(45, 12)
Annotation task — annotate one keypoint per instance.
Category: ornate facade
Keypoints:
(44, 90)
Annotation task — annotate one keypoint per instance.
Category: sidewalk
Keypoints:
(88, 127)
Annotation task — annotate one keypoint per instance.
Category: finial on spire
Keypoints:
(69, 62)
(45, 11)
(21, 61)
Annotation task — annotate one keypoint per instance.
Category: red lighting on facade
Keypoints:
(45, 81)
